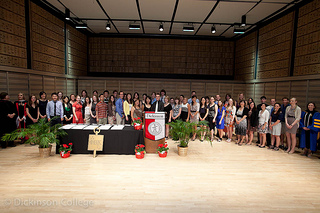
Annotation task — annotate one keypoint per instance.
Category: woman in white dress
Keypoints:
(194, 113)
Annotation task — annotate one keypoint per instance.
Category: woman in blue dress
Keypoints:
(220, 119)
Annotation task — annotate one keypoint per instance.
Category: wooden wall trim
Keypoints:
(291, 78)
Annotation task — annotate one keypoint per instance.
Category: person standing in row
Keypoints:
(275, 126)
(93, 113)
(136, 111)
(84, 94)
(176, 110)
(241, 122)
(310, 125)
(32, 110)
(60, 96)
(119, 109)
(42, 103)
(86, 110)
(127, 105)
(212, 115)
(263, 125)
(115, 95)
(184, 110)
(21, 105)
(67, 110)
(203, 115)
(292, 118)
(77, 111)
(163, 94)
(136, 96)
(101, 111)
(112, 110)
(194, 114)
(168, 110)
(284, 105)
(7, 118)
(72, 99)
(230, 114)
(106, 96)
(147, 105)
(220, 119)
(253, 119)
(55, 108)
(158, 105)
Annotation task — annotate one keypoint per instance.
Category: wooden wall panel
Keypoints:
(113, 85)
(77, 52)
(3, 82)
(258, 92)
(47, 36)
(183, 88)
(35, 84)
(49, 86)
(245, 54)
(13, 34)
(283, 90)
(212, 88)
(270, 90)
(199, 88)
(250, 91)
(313, 92)
(307, 57)
(140, 87)
(85, 85)
(144, 55)
(18, 83)
(274, 48)
(61, 85)
(299, 90)
(236, 90)
(71, 86)
(170, 88)
(226, 88)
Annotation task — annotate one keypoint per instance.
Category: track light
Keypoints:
(67, 14)
(189, 28)
(213, 29)
(161, 27)
(81, 26)
(108, 27)
(243, 20)
(239, 30)
(134, 26)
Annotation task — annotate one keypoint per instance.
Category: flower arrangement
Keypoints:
(163, 148)
(137, 121)
(139, 148)
(65, 148)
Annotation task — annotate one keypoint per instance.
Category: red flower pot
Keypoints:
(65, 155)
(139, 155)
(137, 126)
(163, 155)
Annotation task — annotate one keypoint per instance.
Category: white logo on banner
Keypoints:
(154, 128)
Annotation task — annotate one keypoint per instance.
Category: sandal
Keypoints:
(262, 146)
(271, 147)
(276, 149)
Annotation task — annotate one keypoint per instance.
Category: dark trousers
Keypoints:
(268, 142)
(55, 121)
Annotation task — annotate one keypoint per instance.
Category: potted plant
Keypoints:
(183, 131)
(65, 150)
(163, 150)
(137, 123)
(139, 151)
(41, 133)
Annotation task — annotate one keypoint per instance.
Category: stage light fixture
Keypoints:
(134, 26)
(213, 29)
(108, 26)
(243, 20)
(188, 28)
(81, 26)
(161, 27)
(67, 14)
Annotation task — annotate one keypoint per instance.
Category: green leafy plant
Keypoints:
(65, 148)
(41, 133)
(162, 147)
(183, 131)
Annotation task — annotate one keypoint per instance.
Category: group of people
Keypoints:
(274, 123)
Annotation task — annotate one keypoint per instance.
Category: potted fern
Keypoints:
(183, 131)
(41, 133)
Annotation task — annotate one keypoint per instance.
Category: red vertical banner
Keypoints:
(155, 125)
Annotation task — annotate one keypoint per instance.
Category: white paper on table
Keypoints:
(90, 127)
(79, 126)
(117, 127)
(127, 125)
(68, 126)
(105, 127)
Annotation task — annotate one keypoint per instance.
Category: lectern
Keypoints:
(155, 129)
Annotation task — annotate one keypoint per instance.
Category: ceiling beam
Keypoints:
(209, 14)
(138, 8)
(225, 30)
(100, 5)
(173, 15)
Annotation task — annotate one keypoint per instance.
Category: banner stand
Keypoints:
(154, 130)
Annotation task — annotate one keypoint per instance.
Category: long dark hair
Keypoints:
(35, 103)
(112, 102)
(315, 107)
(131, 100)
(279, 110)
(194, 96)
(85, 101)
(204, 102)
(254, 106)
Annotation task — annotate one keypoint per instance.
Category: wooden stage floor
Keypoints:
(222, 178)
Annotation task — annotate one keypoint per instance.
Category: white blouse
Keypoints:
(264, 117)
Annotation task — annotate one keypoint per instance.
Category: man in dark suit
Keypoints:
(158, 105)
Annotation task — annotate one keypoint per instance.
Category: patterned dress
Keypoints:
(229, 116)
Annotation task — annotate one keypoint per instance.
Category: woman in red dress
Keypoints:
(77, 111)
